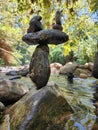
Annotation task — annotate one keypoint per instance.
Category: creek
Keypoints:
(79, 96)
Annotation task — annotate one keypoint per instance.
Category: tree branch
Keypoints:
(11, 55)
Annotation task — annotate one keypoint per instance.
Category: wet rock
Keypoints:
(68, 68)
(90, 66)
(50, 36)
(39, 66)
(78, 71)
(2, 111)
(2, 107)
(83, 66)
(15, 77)
(52, 84)
(83, 76)
(44, 109)
(11, 92)
(23, 72)
(70, 77)
(5, 124)
(12, 73)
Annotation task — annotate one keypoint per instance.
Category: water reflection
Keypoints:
(70, 77)
(79, 95)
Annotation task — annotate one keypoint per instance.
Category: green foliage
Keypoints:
(1, 62)
(77, 22)
(86, 51)
(93, 5)
(24, 5)
(56, 54)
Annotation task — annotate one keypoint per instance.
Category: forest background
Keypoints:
(79, 21)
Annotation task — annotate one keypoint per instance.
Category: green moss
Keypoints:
(51, 114)
(17, 120)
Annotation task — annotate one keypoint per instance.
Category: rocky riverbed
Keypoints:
(79, 96)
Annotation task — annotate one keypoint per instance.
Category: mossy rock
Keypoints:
(44, 109)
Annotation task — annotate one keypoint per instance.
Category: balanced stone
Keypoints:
(50, 36)
(39, 66)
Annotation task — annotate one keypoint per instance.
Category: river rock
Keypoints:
(2, 107)
(44, 109)
(39, 66)
(68, 68)
(50, 36)
(85, 66)
(10, 92)
(90, 66)
(23, 71)
(5, 124)
(82, 75)
(80, 71)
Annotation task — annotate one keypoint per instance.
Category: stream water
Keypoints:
(79, 95)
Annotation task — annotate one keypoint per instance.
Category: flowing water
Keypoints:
(79, 95)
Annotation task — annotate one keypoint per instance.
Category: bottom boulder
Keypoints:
(44, 109)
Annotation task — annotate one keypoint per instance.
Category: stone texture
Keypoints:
(90, 66)
(39, 66)
(5, 125)
(44, 109)
(50, 36)
(2, 111)
(78, 71)
(68, 68)
(10, 92)
(82, 75)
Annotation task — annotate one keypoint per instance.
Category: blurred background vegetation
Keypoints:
(79, 20)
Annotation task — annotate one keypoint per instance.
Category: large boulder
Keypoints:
(5, 124)
(68, 68)
(44, 109)
(11, 92)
